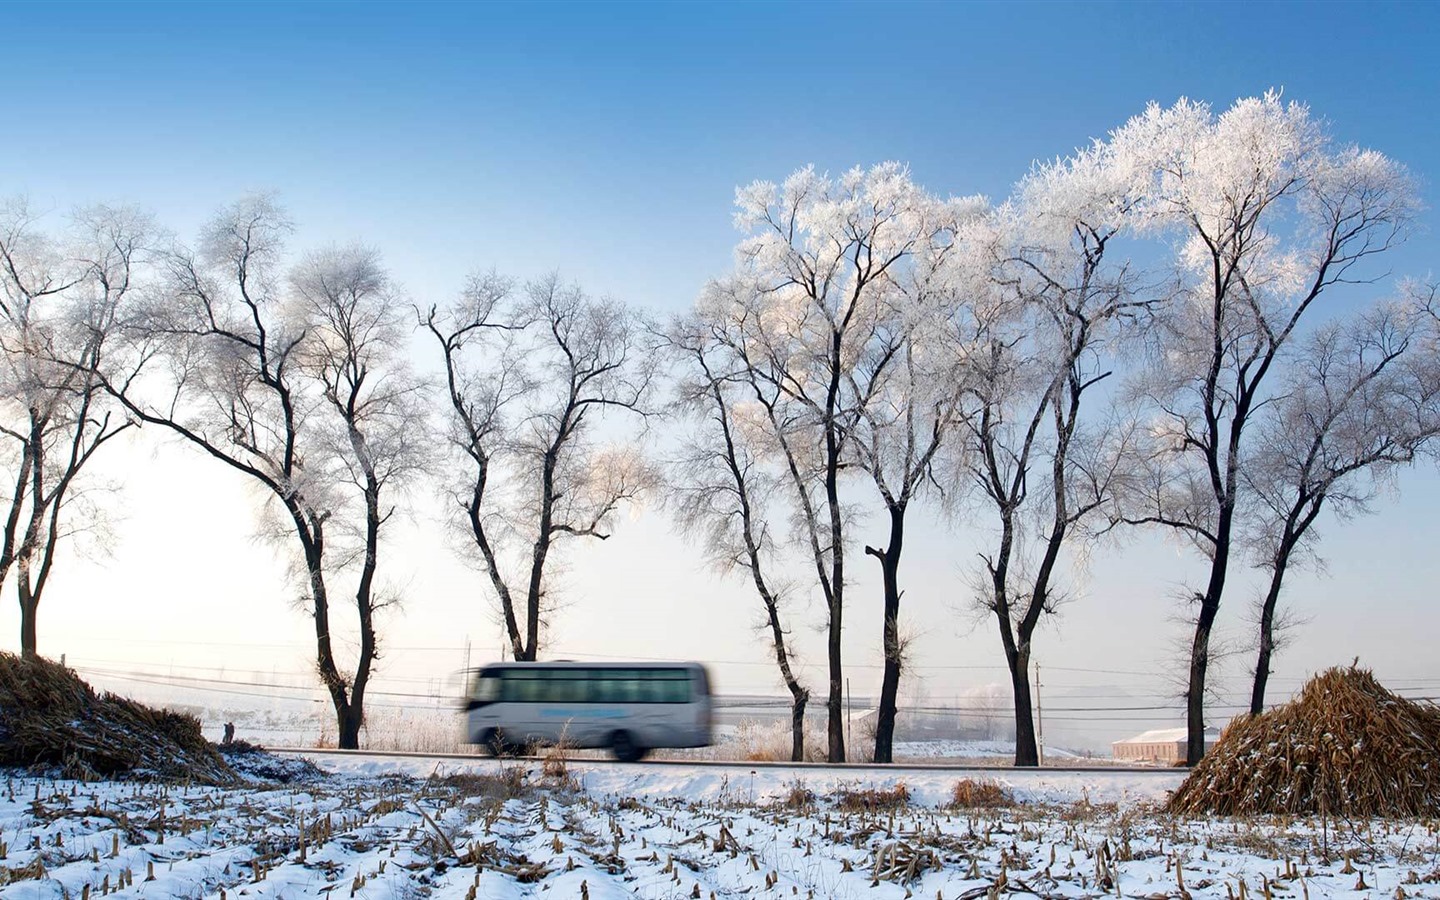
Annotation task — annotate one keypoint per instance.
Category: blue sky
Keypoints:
(606, 141)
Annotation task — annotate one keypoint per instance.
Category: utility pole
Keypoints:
(849, 717)
(1039, 716)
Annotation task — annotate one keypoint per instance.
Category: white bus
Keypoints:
(630, 708)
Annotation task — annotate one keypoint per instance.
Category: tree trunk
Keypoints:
(28, 611)
(350, 719)
(837, 552)
(890, 683)
(836, 727)
(1195, 693)
(543, 536)
(1267, 629)
(1027, 752)
(1302, 516)
(1200, 645)
(835, 703)
(1267, 648)
(311, 533)
(799, 697)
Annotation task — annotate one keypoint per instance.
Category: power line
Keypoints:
(1129, 695)
(758, 702)
(87, 662)
(187, 679)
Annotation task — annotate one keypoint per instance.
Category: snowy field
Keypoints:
(414, 828)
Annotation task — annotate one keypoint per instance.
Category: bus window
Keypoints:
(627, 686)
(486, 689)
(565, 689)
(674, 691)
(604, 690)
(652, 689)
(521, 688)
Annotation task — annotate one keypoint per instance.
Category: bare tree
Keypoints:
(373, 435)
(722, 489)
(568, 360)
(806, 305)
(1362, 398)
(220, 361)
(1271, 217)
(897, 437)
(1035, 337)
(58, 307)
(912, 408)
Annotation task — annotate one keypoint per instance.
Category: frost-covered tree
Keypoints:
(371, 429)
(59, 299)
(1361, 398)
(279, 378)
(531, 381)
(911, 410)
(722, 488)
(1270, 216)
(1038, 308)
(808, 299)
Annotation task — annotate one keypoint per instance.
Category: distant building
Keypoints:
(1164, 746)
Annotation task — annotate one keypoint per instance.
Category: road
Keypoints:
(714, 781)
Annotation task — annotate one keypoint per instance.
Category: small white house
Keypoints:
(1165, 746)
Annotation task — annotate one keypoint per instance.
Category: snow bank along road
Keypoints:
(479, 828)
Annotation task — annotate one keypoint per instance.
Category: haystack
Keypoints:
(49, 717)
(1345, 747)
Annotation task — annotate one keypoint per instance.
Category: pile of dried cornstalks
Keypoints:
(49, 717)
(1345, 747)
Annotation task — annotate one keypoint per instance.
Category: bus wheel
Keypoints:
(625, 748)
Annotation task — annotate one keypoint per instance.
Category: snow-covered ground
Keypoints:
(482, 828)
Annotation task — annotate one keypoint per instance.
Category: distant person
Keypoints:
(229, 737)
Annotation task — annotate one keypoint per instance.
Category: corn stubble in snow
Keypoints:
(1345, 746)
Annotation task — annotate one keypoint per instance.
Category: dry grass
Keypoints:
(798, 797)
(555, 763)
(414, 731)
(49, 716)
(873, 799)
(972, 793)
(508, 783)
(1345, 747)
(768, 742)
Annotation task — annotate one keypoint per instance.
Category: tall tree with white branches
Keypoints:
(530, 379)
(1039, 306)
(722, 486)
(1361, 399)
(59, 300)
(1271, 216)
(808, 295)
(371, 427)
(292, 383)
(912, 411)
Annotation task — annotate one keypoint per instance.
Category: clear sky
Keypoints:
(606, 141)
